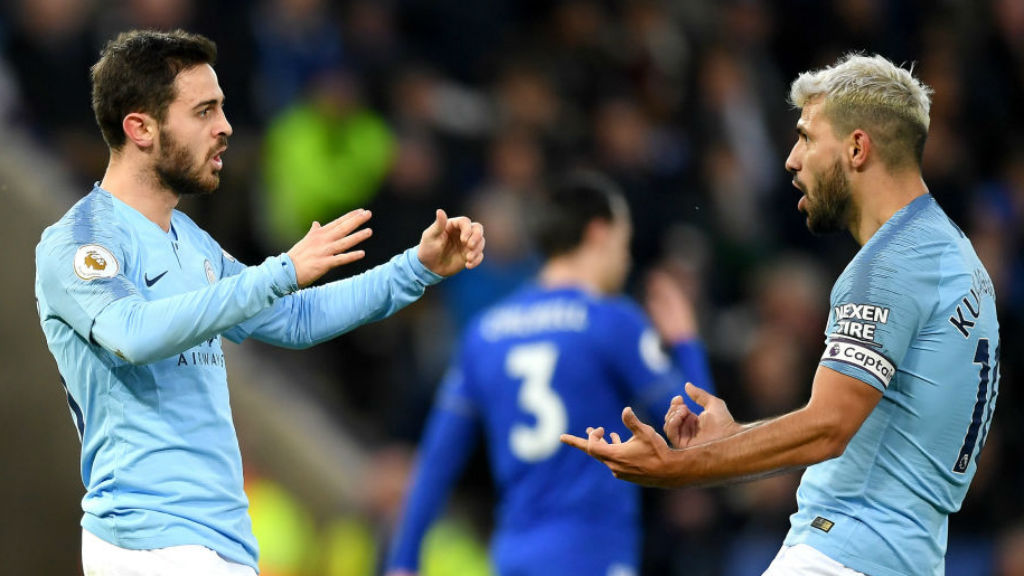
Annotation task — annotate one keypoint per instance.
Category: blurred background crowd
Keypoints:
(402, 106)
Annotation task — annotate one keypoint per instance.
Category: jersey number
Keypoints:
(981, 418)
(534, 365)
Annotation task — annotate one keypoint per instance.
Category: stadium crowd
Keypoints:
(403, 105)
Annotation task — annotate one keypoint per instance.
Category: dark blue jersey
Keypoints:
(542, 363)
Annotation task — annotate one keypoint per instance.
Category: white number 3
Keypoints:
(534, 364)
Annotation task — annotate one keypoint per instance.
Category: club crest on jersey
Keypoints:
(652, 353)
(94, 261)
(211, 276)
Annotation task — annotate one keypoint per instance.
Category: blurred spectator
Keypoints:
(326, 154)
(50, 50)
(295, 41)
(401, 106)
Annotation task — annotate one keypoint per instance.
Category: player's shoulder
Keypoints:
(91, 220)
(532, 310)
(618, 309)
(907, 250)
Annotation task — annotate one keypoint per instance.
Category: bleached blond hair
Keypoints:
(875, 95)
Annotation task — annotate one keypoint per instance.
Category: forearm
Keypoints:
(794, 440)
(318, 314)
(142, 331)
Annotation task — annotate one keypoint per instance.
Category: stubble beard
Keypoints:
(178, 172)
(829, 211)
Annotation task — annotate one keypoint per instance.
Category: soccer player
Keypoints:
(904, 394)
(134, 298)
(560, 352)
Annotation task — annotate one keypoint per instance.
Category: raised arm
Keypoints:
(819, 431)
(142, 331)
(314, 315)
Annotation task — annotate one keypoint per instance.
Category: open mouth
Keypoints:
(217, 161)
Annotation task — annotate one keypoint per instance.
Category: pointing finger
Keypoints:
(574, 441)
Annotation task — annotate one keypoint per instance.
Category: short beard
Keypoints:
(175, 171)
(830, 210)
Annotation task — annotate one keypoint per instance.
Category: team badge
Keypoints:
(211, 276)
(652, 353)
(94, 261)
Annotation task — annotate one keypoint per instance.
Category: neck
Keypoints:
(881, 196)
(570, 270)
(137, 186)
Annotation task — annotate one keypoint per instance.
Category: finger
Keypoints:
(461, 225)
(344, 244)
(631, 421)
(699, 395)
(440, 222)
(615, 438)
(475, 261)
(574, 441)
(673, 407)
(351, 214)
(346, 258)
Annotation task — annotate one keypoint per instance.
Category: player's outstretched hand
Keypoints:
(327, 247)
(644, 459)
(450, 245)
(670, 308)
(683, 428)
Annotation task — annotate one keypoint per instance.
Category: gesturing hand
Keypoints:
(643, 459)
(670, 308)
(326, 247)
(450, 245)
(683, 428)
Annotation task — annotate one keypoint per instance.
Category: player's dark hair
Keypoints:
(574, 202)
(136, 72)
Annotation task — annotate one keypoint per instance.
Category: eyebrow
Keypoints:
(209, 102)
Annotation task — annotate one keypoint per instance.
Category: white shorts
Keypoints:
(803, 560)
(101, 558)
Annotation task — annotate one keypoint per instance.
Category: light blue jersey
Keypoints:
(134, 317)
(913, 315)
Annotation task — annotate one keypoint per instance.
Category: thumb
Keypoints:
(440, 223)
(631, 421)
(698, 394)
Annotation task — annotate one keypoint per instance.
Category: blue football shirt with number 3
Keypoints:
(542, 363)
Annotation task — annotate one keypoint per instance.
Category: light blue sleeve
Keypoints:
(878, 305)
(142, 331)
(315, 315)
(68, 296)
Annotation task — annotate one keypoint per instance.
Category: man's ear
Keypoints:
(859, 149)
(596, 232)
(140, 129)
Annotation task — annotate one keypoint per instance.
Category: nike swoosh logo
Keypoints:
(154, 280)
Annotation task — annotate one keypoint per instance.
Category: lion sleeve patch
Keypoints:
(93, 261)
